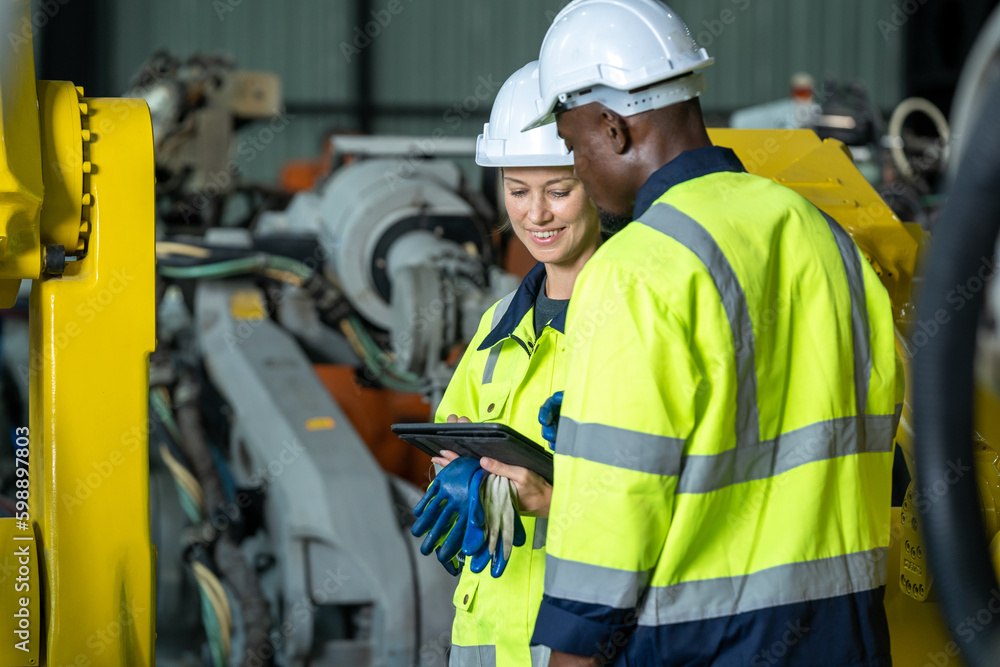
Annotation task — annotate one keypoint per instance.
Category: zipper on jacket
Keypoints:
(528, 347)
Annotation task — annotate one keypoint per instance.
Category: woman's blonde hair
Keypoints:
(503, 218)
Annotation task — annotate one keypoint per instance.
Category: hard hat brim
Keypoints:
(484, 159)
(688, 84)
(541, 120)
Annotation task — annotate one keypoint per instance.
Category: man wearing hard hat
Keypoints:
(722, 466)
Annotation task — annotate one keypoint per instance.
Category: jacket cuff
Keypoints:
(565, 631)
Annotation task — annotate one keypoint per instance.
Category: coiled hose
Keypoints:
(943, 394)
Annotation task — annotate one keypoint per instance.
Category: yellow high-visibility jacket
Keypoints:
(722, 466)
(505, 376)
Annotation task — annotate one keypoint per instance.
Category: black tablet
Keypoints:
(497, 441)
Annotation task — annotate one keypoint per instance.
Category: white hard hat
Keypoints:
(503, 144)
(630, 55)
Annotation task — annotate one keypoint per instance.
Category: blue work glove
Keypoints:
(453, 566)
(476, 530)
(446, 504)
(548, 417)
(494, 526)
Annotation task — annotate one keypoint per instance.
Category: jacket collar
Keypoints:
(686, 166)
(523, 301)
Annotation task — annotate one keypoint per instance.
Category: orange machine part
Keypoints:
(371, 412)
(299, 175)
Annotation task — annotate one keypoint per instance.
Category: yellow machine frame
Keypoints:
(77, 182)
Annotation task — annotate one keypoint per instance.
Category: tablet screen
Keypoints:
(497, 441)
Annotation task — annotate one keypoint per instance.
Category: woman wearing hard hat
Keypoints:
(510, 368)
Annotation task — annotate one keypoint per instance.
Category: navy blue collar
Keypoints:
(524, 300)
(689, 164)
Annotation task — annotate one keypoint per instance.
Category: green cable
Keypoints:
(291, 266)
(188, 504)
(388, 366)
(234, 267)
(377, 361)
(367, 342)
(224, 269)
(163, 412)
(388, 380)
(212, 629)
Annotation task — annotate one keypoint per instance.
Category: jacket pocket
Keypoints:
(465, 593)
(493, 401)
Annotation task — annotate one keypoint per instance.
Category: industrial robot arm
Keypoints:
(76, 218)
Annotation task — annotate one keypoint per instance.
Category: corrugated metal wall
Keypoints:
(759, 44)
(434, 54)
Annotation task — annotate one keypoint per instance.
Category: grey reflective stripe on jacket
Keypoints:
(473, 656)
(540, 656)
(862, 346)
(623, 448)
(704, 473)
(689, 233)
(713, 598)
(498, 313)
(486, 656)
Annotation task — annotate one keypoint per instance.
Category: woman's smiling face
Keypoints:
(550, 212)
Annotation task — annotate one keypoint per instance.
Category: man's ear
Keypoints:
(615, 130)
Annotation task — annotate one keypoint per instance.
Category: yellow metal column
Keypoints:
(76, 182)
(92, 330)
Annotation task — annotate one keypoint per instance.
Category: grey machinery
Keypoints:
(405, 246)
